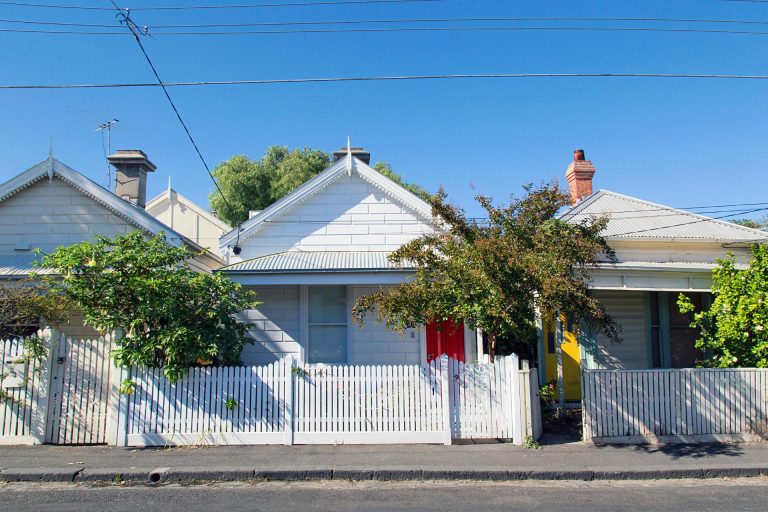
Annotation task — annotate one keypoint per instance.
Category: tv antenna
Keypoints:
(107, 127)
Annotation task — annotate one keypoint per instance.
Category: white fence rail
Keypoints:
(631, 406)
(287, 404)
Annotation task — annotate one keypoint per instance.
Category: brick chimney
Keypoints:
(579, 176)
(359, 153)
(132, 166)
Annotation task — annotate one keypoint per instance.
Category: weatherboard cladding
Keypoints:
(631, 218)
(296, 261)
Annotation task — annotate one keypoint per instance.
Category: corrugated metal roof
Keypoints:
(295, 261)
(15, 265)
(634, 218)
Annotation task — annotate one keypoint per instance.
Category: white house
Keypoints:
(51, 205)
(661, 252)
(312, 253)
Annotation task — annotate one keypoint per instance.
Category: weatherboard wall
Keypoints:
(277, 330)
(350, 214)
(51, 214)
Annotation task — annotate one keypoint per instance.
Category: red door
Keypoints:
(445, 337)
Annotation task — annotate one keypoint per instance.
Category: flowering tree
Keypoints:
(734, 331)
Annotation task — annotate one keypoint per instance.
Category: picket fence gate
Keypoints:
(687, 405)
(286, 403)
(63, 401)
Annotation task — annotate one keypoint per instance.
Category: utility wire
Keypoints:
(385, 78)
(132, 27)
(199, 7)
(397, 21)
(407, 29)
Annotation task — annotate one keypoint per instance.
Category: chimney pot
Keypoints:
(131, 166)
(579, 175)
(359, 153)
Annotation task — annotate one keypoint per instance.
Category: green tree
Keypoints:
(173, 317)
(28, 305)
(734, 330)
(494, 275)
(386, 170)
(751, 223)
(255, 184)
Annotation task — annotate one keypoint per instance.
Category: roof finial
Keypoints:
(169, 185)
(50, 162)
(350, 161)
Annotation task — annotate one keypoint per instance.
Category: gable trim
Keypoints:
(54, 168)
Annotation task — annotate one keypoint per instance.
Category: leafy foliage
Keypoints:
(26, 305)
(734, 330)
(255, 184)
(386, 170)
(494, 275)
(173, 317)
(751, 223)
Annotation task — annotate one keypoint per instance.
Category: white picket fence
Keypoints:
(21, 383)
(689, 405)
(284, 403)
(65, 400)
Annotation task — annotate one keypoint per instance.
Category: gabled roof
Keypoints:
(166, 195)
(52, 168)
(630, 218)
(316, 261)
(344, 166)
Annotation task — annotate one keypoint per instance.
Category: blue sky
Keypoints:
(677, 142)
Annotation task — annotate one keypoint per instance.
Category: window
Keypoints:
(671, 337)
(327, 324)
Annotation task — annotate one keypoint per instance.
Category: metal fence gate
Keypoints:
(79, 391)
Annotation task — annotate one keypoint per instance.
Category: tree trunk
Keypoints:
(491, 346)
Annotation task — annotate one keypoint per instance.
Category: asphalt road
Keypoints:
(680, 495)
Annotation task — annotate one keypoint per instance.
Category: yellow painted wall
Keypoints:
(571, 358)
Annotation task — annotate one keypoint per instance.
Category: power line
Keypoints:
(132, 27)
(405, 29)
(399, 21)
(199, 7)
(384, 78)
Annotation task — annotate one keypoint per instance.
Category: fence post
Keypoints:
(118, 403)
(287, 366)
(40, 404)
(516, 402)
(445, 394)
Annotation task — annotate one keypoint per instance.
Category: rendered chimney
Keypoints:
(132, 166)
(579, 175)
(358, 153)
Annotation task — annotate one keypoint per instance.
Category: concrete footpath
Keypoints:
(487, 461)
